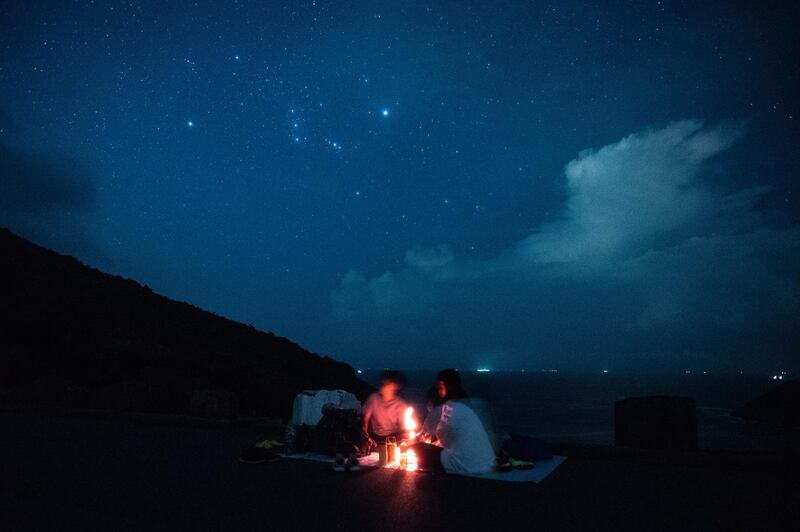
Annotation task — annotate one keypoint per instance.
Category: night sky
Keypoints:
(512, 185)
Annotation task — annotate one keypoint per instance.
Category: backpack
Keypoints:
(339, 431)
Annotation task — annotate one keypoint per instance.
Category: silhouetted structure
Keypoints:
(73, 336)
(778, 406)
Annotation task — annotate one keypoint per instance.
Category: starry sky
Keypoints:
(571, 185)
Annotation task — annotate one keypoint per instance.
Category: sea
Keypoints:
(578, 408)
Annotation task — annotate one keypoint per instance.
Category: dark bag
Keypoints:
(340, 432)
(526, 448)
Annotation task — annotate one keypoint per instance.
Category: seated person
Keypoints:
(433, 413)
(463, 446)
(384, 410)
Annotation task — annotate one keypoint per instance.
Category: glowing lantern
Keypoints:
(411, 460)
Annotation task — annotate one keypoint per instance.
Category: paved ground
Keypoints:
(59, 473)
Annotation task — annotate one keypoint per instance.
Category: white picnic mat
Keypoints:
(540, 471)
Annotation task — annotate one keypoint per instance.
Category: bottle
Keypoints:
(391, 449)
(382, 454)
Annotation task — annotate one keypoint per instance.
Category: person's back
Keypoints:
(466, 445)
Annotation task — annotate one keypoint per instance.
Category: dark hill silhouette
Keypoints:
(779, 405)
(73, 336)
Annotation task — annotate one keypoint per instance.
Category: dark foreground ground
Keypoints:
(68, 473)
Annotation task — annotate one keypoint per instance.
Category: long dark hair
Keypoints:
(452, 384)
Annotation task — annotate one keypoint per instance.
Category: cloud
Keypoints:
(648, 248)
(41, 184)
(45, 198)
(624, 197)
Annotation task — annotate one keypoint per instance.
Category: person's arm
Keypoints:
(367, 417)
(367, 411)
(431, 423)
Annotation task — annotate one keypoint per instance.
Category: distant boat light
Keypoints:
(483, 370)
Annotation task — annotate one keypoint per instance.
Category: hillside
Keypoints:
(73, 336)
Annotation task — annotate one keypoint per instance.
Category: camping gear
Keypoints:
(339, 431)
(383, 457)
(307, 408)
(391, 449)
(325, 421)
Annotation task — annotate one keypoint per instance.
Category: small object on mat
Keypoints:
(340, 463)
(511, 464)
(352, 464)
(257, 455)
(268, 444)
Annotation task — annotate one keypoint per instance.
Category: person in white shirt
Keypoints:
(462, 445)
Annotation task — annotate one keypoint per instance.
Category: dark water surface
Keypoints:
(579, 408)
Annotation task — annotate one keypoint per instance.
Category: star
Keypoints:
(385, 111)
(335, 145)
(189, 124)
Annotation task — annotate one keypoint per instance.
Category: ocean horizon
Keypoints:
(571, 407)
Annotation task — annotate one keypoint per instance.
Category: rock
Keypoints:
(656, 422)
(213, 403)
(778, 406)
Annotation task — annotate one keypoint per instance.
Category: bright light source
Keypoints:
(483, 370)
(410, 424)
(411, 460)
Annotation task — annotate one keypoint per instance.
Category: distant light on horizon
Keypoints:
(483, 370)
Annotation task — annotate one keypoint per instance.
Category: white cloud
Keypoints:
(625, 196)
(642, 223)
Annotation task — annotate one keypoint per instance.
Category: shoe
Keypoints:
(340, 463)
(352, 463)
(256, 455)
